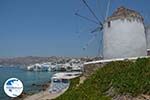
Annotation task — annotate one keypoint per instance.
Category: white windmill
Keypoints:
(123, 33)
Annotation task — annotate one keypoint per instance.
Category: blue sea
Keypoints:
(27, 77)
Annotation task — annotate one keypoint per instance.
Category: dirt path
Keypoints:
(44, 95)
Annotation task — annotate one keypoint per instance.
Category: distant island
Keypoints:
(35, 59)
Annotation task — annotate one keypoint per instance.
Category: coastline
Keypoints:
(44, 95)
(44, 87)
(34, 82)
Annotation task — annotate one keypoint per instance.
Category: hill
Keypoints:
(121, 80)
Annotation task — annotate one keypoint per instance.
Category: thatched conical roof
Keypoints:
(123, 12)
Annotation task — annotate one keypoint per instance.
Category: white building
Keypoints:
(124, 35)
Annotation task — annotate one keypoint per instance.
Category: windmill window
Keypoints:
(109, 24)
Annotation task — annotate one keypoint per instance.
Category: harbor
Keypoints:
(72, 65)
(48, 78)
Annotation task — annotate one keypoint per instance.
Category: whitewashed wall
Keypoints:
(124, 39)
(148, 36)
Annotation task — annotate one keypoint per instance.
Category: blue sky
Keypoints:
(50, 28)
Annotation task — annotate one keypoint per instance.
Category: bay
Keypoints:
(27, 77)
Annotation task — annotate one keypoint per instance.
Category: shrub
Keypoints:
(125, 77)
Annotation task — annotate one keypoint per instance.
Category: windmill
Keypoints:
(96, 21)
(123, 33)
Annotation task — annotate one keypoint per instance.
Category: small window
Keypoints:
(109, 24)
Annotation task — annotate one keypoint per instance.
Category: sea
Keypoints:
(27, 77)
